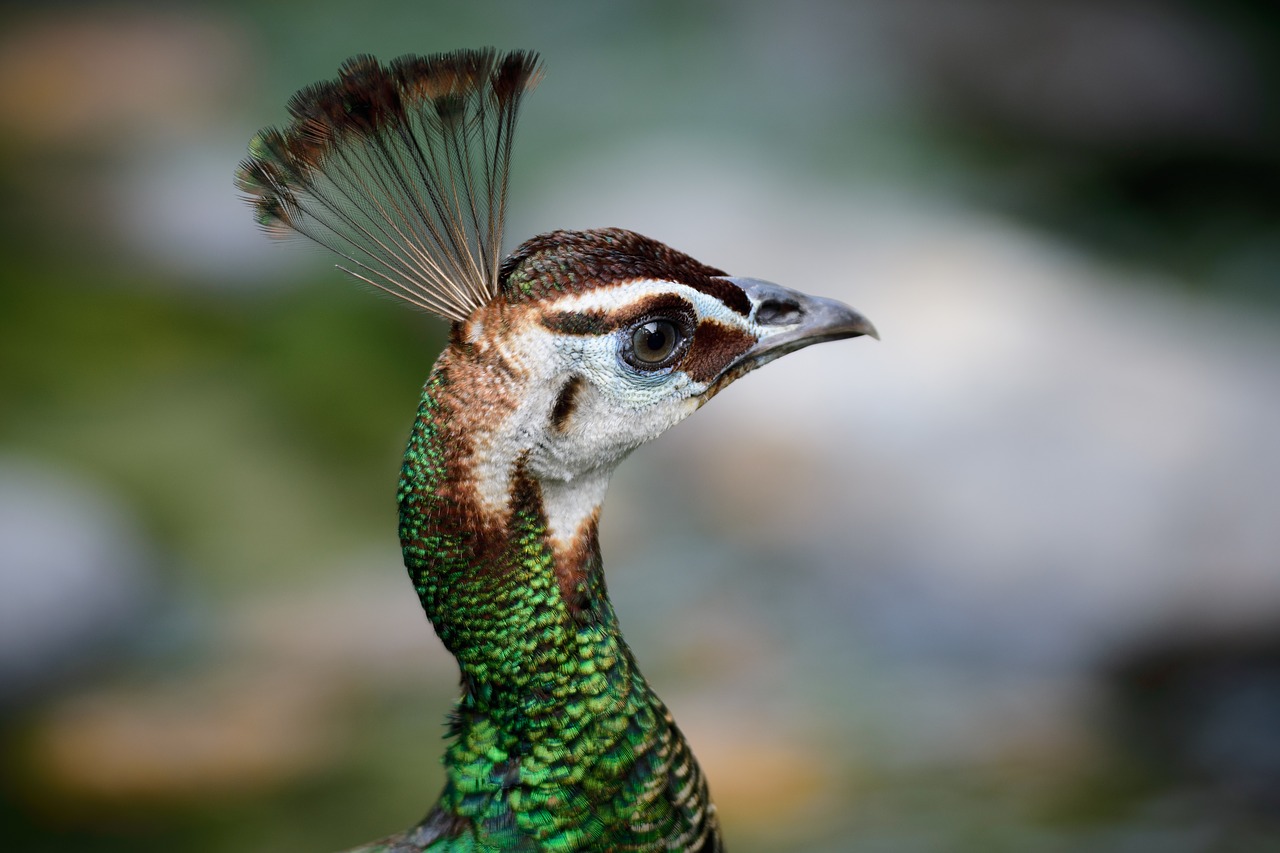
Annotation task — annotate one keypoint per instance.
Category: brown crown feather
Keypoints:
(571, 261)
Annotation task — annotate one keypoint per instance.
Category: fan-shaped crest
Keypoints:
(401, 170)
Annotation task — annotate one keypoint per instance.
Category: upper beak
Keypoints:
(790, 320)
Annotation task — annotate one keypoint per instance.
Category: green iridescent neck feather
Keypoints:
(558, 741)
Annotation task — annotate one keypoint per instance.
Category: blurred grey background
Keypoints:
(1007, 580)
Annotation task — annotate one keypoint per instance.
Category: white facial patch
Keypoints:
(614, 407)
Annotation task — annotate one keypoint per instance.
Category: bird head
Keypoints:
(605, 339)
(576, 349)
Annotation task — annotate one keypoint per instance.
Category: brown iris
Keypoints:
(653, 343)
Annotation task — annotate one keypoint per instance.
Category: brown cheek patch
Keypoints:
(714, 348)
(566, 402)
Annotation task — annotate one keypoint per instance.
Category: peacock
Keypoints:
(562, 358)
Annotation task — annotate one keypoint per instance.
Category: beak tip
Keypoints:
(860, 325)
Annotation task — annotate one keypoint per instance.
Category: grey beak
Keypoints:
(793, 320)
(788, 321)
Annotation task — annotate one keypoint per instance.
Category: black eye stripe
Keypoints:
(576, 323)
(598, 322)
(733, 297)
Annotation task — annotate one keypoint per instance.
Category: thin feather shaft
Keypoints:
(401, 170)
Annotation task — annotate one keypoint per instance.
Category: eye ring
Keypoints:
(653, 343)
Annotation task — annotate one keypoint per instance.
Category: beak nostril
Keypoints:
(778, 312)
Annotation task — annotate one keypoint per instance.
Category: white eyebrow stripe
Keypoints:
(610, 298)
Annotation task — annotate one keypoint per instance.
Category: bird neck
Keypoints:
(507, 566)
(523, 609)
(557, 735)
(533, 631)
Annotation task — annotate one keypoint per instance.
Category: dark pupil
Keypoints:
(654, 340)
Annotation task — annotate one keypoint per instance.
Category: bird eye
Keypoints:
(653, 342)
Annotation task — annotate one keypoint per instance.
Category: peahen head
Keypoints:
(601, 340)
(564, 357)
(616, 337)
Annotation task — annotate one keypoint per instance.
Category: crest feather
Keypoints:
(400, 169)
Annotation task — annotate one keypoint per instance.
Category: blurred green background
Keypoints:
(1009, 580)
